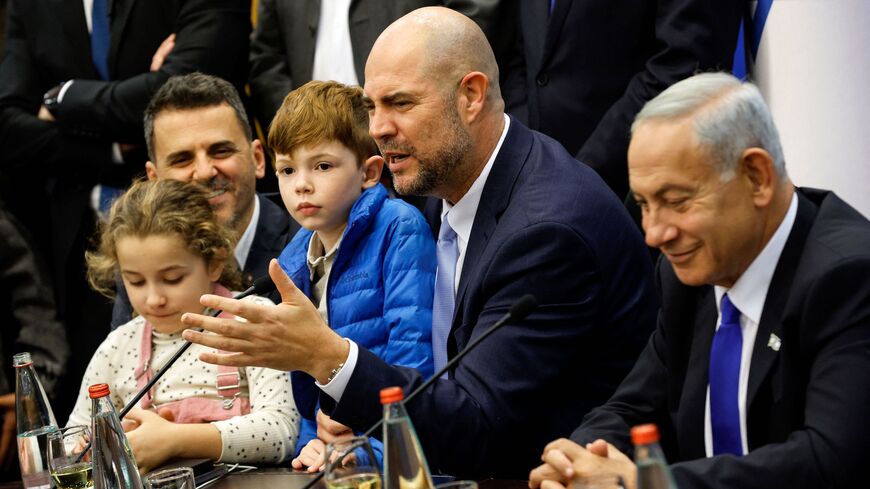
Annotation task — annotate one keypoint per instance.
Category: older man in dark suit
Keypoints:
(517, 215)
(757, 373)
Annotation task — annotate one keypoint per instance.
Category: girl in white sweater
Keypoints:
(163, 240)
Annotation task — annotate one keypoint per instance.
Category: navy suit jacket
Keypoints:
(546, 225)
(807, 423)
(582, 73)
(274, 230)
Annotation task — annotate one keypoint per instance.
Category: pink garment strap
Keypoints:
(228, 382)
(229, 379)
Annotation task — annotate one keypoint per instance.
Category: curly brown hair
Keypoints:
(162, 207)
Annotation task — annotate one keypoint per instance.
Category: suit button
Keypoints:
(543, 80)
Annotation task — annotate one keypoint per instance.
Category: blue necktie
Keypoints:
(100, 38)
(443, 304)
(724, 379)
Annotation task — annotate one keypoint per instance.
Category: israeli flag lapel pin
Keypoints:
(774, 343)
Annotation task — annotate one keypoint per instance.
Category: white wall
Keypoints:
(813, 67)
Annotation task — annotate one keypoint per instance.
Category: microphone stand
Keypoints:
(519, 310)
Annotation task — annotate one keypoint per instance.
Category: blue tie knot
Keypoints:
(446, 233)
(730, 314)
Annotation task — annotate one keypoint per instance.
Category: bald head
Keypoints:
(443, 44)
(433, 100)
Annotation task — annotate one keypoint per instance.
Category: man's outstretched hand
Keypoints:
(287, 336)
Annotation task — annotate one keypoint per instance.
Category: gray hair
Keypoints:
(730, 116)
(193, 91)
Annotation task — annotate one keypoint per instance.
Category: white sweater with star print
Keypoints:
(266, 435)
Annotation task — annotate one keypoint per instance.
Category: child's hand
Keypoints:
(329, 430)
(311, 456)
(152, 441)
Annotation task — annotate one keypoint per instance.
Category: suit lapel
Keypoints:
(554, 27)
(493, 201)
(312, 19)
(76, 30)
(534, 24)
(763, 356)
(312, 14)
(272, 233)
(694, 396)
(120, 14)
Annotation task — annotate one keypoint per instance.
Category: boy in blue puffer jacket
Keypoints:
(367, 262)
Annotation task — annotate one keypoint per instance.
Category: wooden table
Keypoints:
(287, 479)
(283, 478)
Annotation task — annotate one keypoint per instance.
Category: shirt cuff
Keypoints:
(335, 388)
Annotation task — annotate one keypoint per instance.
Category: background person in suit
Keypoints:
(579, 70)
(73, 85)
(527, 218)
(783, 271)
(197, 130)
(296, 41)
(30, 324)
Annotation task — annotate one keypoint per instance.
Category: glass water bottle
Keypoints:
(114, 465)
(35, 421)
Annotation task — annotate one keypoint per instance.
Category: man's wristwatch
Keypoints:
(50, 99)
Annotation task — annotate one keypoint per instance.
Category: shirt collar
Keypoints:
(461, 217)
(243, 247)
(317, 255)
(750, 291)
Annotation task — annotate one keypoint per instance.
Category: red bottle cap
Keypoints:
(644, 434)
(391, 394)
(98, 390)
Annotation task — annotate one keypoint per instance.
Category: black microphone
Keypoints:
(519, 310)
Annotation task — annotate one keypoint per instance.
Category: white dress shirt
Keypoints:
(320, 261)
(461, 222)
(748, 295)
(461, 216)
(333, 51)
(243, 247)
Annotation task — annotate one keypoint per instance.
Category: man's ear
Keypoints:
(371, 170)
(150, 170)
(471, 95)
(259, 156)
(757, 167)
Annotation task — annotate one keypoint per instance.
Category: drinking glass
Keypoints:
(68, 461)
(177, 478)
(598, 481)
(351, 464)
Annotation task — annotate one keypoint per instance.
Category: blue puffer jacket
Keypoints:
(379, 292)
